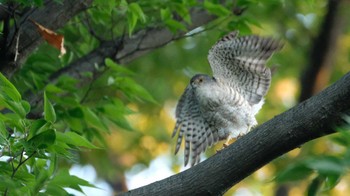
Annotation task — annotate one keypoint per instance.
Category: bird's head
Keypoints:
(201, 80)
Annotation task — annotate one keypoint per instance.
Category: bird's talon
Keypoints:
(225, 145)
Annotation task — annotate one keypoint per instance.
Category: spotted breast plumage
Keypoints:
(224, 106)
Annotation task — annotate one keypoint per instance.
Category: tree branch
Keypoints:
(313, 118)
(52, 15)
(317, 74)
(125, 49)
(122, 50)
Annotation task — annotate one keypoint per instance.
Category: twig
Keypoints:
(91, 29)
(95, 75)
(14, 170)
(17, 43)
(22, 162)
(175, 37)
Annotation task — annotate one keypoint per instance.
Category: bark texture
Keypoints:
(24, 38)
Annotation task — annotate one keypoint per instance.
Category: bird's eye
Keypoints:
(200, 80)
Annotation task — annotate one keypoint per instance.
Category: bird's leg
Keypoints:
(249, 128)
(224, 145)
(227, 143)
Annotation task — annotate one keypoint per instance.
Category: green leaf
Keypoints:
(23, 175)
(68, 101)
(135, 14)
(64, 179)
(94, 133)
(74, 123)
(6, 87)
(53, 89)
(37, 127)
(49, 111)
(133, 90)
(13, 121)
(116, 113)
(61, 149)
(326, 165)
(293, 172)
(165, 14)
(7, 182)
(343, 135)
(25, 106)
(315, 186)
(53, 189)
(40, 180)
(20, 108)
(11, 99)
(331, 181)
(132, 21)
(190, 2)
(117, 68)
(43, 140)
(216, 9)
(74, 139)
(108, 6)
(37, 80)
(53, 163)
(172, 24)
(241, 25)
(136, 9)
(93, 120)
(122, 122)
(183, 12)
(76, 112)
(175, 25)
(3, 133)
(67, 83)
(253, 21)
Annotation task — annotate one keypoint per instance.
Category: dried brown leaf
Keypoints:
(54, 39)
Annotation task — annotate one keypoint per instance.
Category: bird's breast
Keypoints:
(209, 93)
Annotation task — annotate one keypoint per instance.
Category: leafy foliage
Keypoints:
(325, 171)
(66, 126)
(29, 148)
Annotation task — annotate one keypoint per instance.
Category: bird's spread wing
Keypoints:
(240, 62)
(191, 125)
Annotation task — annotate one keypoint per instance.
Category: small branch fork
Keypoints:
(21, 162)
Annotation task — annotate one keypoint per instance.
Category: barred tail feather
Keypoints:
(188, 138)
(176, 129)
(179, 139)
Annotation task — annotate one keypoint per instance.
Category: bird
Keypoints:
(223, 106)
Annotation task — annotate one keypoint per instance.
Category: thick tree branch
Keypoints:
(313, 118)
(317, 74)
(52, 15)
